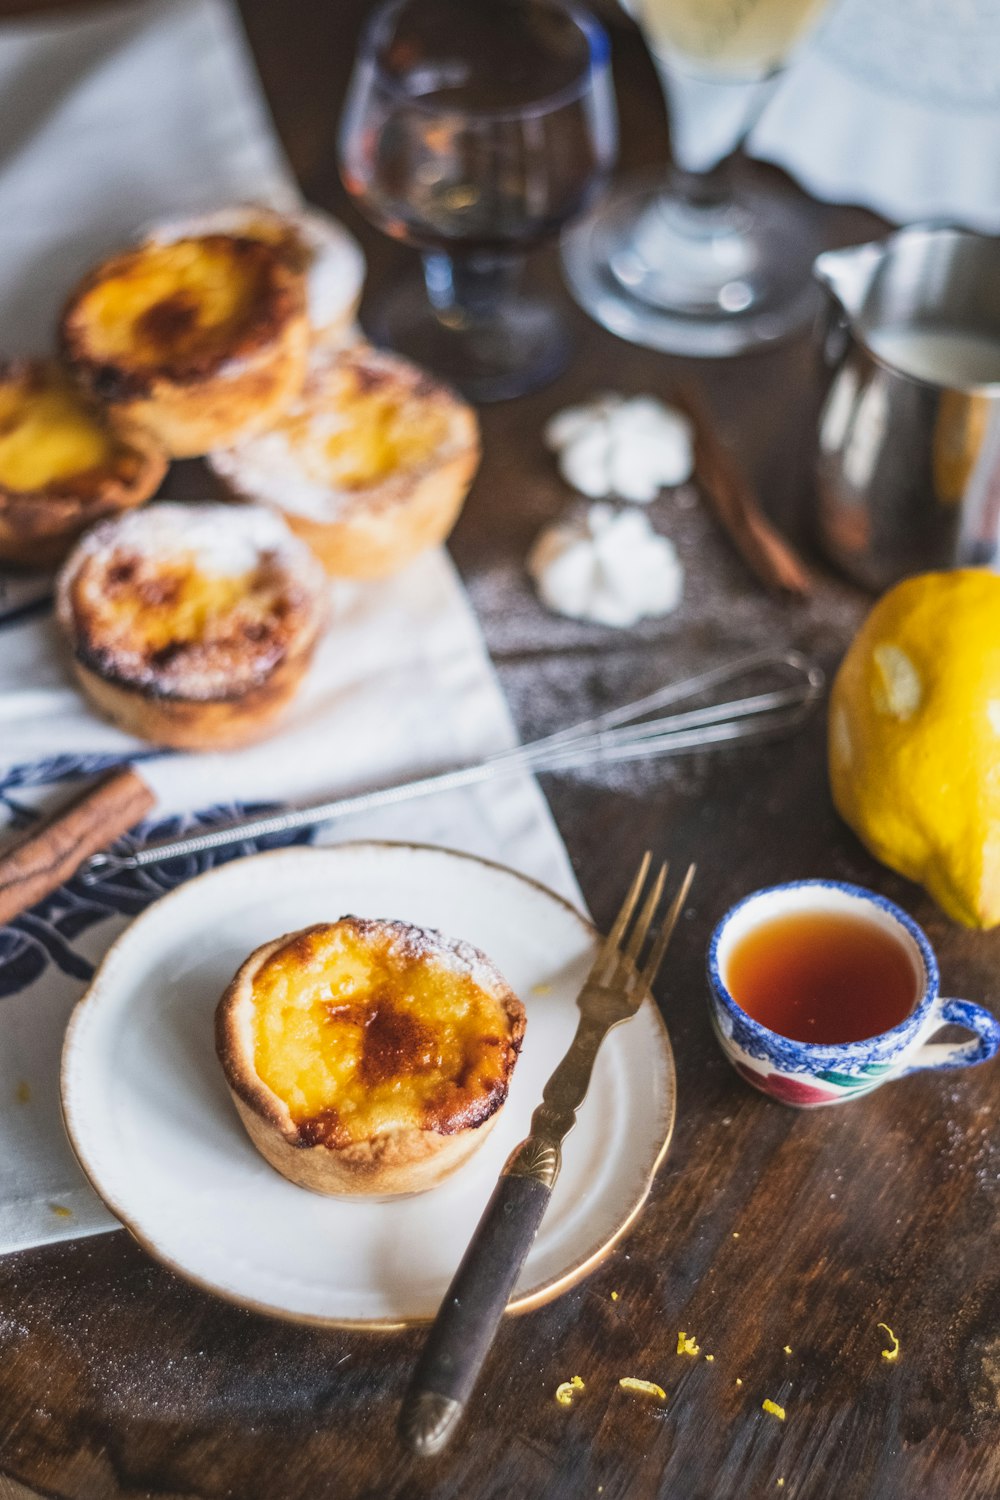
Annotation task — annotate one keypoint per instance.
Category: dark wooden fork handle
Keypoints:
(474, 1303)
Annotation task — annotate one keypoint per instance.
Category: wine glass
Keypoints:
(704, 263)
(474, 130)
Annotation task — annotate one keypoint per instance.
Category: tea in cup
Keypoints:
(820, 991)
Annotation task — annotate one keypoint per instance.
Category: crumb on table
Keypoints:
(566, 1392)
(892, 1353)
(642, 1387)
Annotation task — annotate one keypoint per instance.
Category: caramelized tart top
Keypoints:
(365, 428)
(180, 311)
(362, 1027)
(192, 601)
(311, 241)
(54, 441)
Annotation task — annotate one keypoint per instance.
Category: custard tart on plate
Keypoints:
(64, 463)
(192, 625)
(366, 1056)
(314, 242)
(370, 464)
(201, 339)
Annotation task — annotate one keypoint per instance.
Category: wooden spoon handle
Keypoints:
(50, 854)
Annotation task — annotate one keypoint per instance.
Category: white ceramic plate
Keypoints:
(150, 1118)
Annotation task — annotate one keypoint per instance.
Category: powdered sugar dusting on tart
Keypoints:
(416, 944)
(336, 269)
(221, 540)
(121, 582)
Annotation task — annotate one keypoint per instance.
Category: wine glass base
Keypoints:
(522, 351)
(708, 282)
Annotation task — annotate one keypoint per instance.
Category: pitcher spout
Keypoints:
(848, 274)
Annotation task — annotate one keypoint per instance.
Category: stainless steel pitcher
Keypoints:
(909, 467)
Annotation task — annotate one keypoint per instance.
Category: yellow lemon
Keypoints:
(914, 738)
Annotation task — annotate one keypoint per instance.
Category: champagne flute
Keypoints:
(704, 264)
(474, 130)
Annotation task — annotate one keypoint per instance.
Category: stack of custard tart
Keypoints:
(231, 337)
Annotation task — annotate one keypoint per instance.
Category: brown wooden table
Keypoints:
(767, 1227)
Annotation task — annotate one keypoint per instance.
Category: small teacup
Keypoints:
(808, 1074)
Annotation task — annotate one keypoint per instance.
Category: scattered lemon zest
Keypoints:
(787, 1349)
(61, 1211)
(892, 1353)
(614, 1296)
(686, 1344)
(710, 1359)
(773, 1409)
(566, 1392)
(541, 990)
(642, 1387)
(23, 1092)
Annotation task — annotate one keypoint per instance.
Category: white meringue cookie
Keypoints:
(585, 462)
(573, 420)
(627, 448)
(607, 567)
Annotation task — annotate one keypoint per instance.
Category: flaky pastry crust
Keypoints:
(202, 340)
(64, 463)
(440, 1121)
(370, 465)
(192, 625)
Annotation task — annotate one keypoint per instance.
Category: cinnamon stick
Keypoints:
(765, 551)
(50, 854)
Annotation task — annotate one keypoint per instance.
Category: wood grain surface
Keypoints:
(779, 1239)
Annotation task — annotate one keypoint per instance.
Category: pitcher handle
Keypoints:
(984, 1044)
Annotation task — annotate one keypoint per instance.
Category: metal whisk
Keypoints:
(636, 731)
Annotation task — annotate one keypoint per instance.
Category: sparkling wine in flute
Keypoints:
(735, 38)
(703, 259)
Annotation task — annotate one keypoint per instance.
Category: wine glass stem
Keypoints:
(469, 291)
(692, 249)
(707, 191)
(710, 118)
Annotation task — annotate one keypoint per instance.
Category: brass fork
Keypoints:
(466, 1323)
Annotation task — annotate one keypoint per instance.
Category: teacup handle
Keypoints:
(984, 1044)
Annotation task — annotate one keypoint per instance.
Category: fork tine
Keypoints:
(614, 937)
(645, 917)
(666, 931)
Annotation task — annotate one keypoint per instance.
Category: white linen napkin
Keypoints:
(895, 104)
(156, 109)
